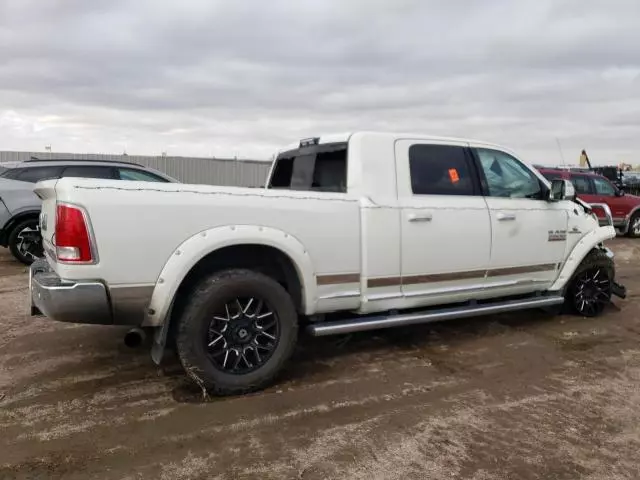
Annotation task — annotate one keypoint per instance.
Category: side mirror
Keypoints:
(561, 190)
(620, 193)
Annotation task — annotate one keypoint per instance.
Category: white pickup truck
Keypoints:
(352, 232)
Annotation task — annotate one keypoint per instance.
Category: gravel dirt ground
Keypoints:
(519, 396)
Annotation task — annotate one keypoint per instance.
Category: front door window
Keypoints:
(507, 177)
(603, 187)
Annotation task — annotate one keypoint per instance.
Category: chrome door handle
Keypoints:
(427, 217)
(503, 217)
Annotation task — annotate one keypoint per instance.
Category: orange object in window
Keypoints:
(453, 175)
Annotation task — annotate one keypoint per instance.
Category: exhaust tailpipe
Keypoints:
(134, 338)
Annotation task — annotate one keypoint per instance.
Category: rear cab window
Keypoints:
(312, 167)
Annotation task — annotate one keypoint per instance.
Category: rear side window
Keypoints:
(37, 174)
(321, 168)
(440, 170)
(10, 173)
(138, 175)
(88, 171)
(582, 184)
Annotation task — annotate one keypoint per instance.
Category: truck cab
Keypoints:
(422, 200)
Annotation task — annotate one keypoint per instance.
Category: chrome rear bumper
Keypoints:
(67, 301)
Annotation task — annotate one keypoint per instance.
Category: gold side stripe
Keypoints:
(499, 272)
(442, 277)
(383, 282)
(435, 277)
(338, 279)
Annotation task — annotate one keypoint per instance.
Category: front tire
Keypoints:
(237, 332)
(590, 288)
(634, 226)
(25, 241)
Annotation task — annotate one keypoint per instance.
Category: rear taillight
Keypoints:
(73, 243)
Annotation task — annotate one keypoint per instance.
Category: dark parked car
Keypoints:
(20, 207)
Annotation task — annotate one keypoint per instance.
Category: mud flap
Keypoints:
(38, 266)
(619, 290)
(159, 342)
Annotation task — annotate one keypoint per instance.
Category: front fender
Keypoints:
(580, 251)
(192, 250)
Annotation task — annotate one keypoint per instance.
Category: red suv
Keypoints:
(593, 188)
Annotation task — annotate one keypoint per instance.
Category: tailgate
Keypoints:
(46, 191)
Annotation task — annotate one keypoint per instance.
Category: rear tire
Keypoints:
(633, 230)
(237, 331)
(25, 242)
(589, 291)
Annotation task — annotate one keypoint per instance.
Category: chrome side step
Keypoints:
(362, 324)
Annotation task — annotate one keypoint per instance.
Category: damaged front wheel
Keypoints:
(592, 285)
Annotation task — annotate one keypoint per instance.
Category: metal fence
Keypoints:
(632, 188)
(210, 171)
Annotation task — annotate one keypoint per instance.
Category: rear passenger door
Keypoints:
(445, 225)
(528, 232)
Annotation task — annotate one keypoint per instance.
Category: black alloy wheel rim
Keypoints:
(242, 336)
(29, 242)
(592, 291)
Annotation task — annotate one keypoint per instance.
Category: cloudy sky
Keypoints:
(235, 77)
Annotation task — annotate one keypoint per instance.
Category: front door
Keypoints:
(528, 233)
(445, 226)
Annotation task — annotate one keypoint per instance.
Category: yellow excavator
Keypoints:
(584, 160)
